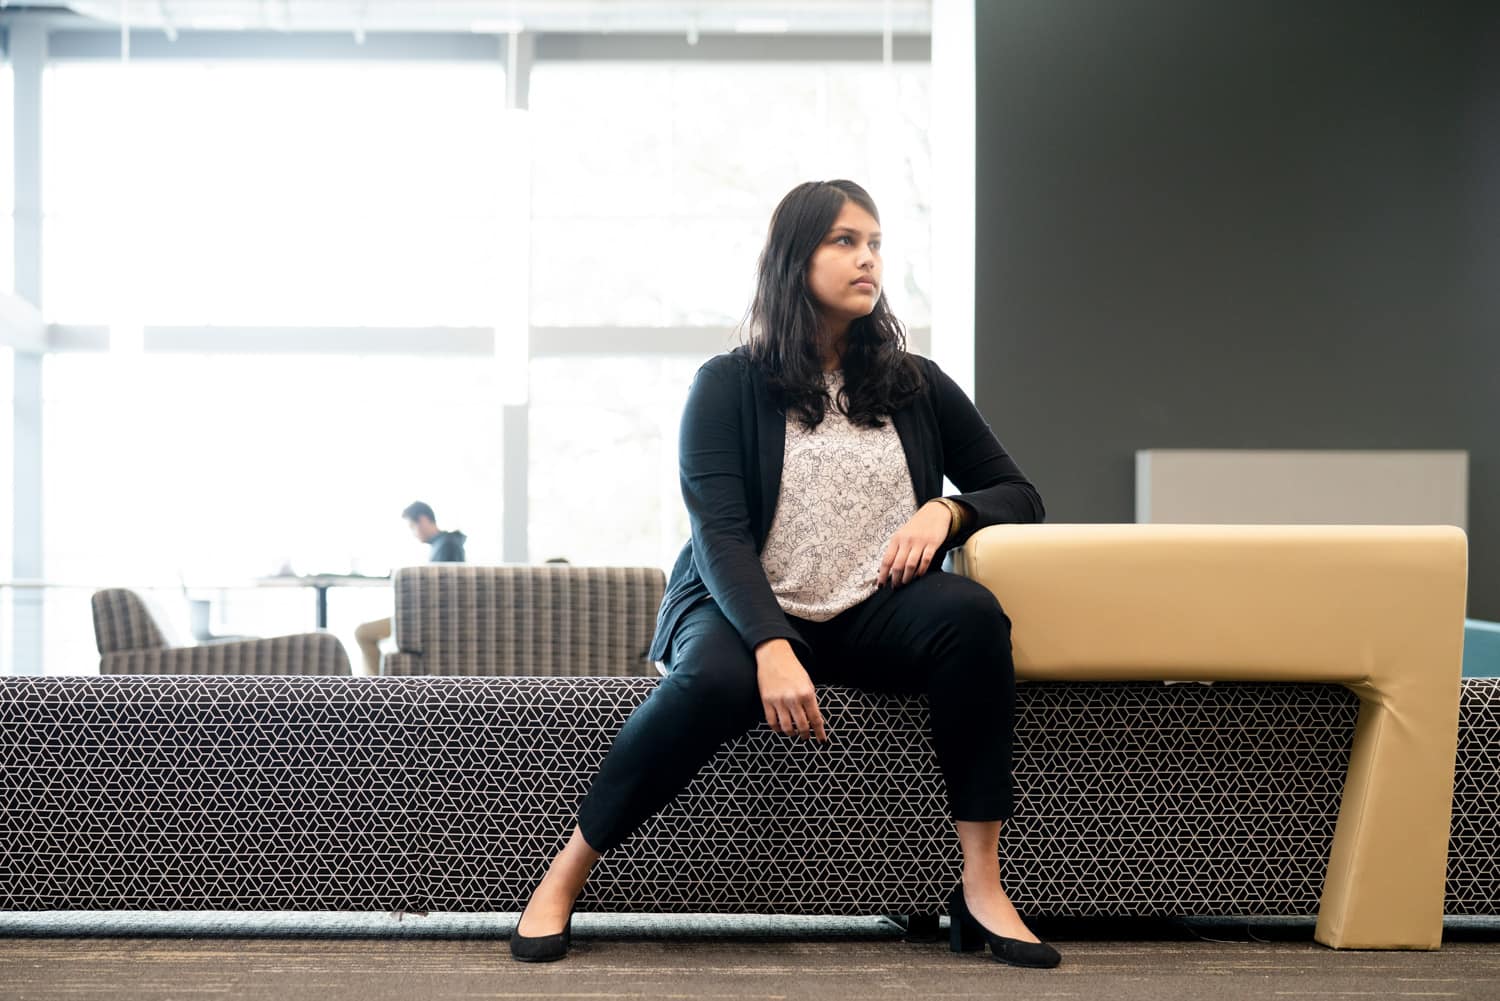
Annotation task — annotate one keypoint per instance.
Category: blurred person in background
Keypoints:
(445, 547)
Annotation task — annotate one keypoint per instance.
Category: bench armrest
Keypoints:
(1379, 609)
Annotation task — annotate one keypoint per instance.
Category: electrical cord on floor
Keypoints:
(1187, 926)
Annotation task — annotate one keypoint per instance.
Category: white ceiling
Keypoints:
(502, 16)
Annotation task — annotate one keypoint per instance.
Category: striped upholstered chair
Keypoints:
(553, 619)
(130, 642)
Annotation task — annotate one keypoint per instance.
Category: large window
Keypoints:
(653, 187)
(279, 198)
(7, 180)
(260, 194)
(7, 284)
(654, 182)
(7, 357)
(216, 469)
(7, 452)
(604, 458)
(280, 193)
(7, 499)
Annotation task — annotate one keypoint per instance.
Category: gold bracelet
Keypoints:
(955, 515)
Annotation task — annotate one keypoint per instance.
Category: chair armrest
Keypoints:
(301, 653)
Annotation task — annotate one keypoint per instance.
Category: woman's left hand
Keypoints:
(909, 553)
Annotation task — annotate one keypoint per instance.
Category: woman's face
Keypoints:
(844, 273)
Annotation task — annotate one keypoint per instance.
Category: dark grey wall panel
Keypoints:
(1244, 224)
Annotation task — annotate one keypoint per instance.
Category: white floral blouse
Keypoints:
(845, 490)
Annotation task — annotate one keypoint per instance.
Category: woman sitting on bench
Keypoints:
(812, 463)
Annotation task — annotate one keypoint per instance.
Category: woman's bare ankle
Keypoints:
(573, 864)
(981, 879)
(545, 913)
(559, 887)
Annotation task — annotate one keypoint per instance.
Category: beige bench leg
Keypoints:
(1388, 869)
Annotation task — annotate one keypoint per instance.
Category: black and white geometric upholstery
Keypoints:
(553, 619)
(1474, 844)
(130, 642)
(382, 793)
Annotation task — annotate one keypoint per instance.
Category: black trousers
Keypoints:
(941, 635)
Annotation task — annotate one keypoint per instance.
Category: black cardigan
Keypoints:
(730, 451)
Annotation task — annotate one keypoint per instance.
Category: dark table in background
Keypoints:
(321, 582)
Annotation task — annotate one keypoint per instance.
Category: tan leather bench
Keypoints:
(1379, 609)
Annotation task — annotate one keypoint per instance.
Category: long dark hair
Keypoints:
(879, 376)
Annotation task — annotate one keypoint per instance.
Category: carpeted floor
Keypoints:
(374, 957)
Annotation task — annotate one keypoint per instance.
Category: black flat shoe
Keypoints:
(541, 948)
(965, 934)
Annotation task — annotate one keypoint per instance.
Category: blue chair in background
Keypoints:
(1481, 649)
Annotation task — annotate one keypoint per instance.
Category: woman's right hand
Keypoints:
(786, 691)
